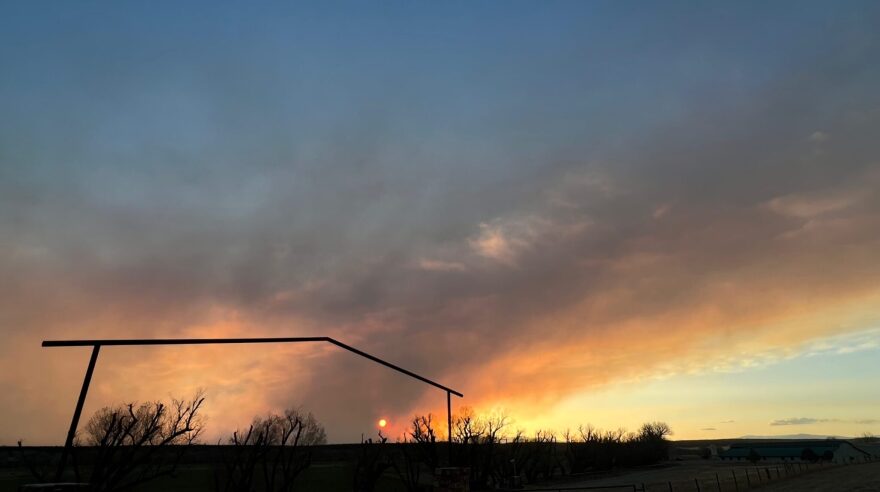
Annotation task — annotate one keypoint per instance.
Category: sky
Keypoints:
(598, 213)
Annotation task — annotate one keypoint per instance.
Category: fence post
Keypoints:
(718, 481)
(735, 483)
(669, 483)
(748, 478)
(769, 477)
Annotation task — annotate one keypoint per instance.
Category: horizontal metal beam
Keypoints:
(177, 341)
(218, 341)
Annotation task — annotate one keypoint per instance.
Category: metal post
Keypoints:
(74, 423)
(449, 427)
(449, 417)
(97, 344)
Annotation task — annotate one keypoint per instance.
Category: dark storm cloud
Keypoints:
(440, 225)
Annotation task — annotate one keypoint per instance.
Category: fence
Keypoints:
(612, 488)
(734, 479)
(731, 479)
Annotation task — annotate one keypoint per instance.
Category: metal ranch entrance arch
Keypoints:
(97, 344)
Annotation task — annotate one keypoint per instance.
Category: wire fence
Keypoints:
(611, 488)
(732, 479)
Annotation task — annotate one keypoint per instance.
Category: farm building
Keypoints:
(872, 449)
(830, 450)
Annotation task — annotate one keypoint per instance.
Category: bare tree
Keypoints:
(542, 458)
(654, 431)
(495, 425)
(651, 438)
(590, 448)
(417, 449)
(475, 444)
(466, 426)
(132, 443)
(868, 438)
(271, 454)
(371, 464)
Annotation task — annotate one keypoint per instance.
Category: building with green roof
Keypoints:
(828, 450)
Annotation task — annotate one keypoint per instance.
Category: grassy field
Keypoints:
(331, 470)
(338, 477)
(853, 478)
(335, 472)
(192, 478)
(683, 476)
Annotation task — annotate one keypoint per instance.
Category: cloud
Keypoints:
(504, 251)
(495, 243)
(811, 421)
(818, 136)
(507, 239)
(661, 210)
(441, 266)
(708, 429)
(809, 206)
(799, 421)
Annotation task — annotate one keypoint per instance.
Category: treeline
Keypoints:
(127, 445)
(591, 449)
(124, 446)
(496, 456)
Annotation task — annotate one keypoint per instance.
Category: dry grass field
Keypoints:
(853, 478)
(714, 476)
(335, 472)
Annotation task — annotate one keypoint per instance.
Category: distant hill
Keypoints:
(796, 436)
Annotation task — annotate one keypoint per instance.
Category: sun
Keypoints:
(383, 423)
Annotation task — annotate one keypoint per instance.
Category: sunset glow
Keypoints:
(576, 213)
